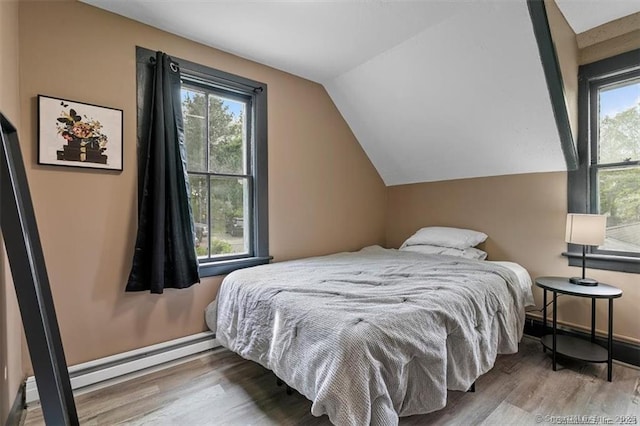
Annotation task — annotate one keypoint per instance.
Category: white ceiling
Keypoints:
(455, 104)
(317, 40)
(432, 89)
(583, 15)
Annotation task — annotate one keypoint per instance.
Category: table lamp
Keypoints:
(587, 230)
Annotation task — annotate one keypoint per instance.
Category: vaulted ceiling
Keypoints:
(433, 90)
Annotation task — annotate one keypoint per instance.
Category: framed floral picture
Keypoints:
(77, 134)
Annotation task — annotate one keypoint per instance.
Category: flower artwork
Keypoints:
(78, 134)
(84, 140)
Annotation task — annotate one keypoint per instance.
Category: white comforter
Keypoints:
(376, 334)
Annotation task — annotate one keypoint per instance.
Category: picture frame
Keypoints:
(78, 134)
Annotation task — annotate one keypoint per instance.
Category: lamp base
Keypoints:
(583, 281)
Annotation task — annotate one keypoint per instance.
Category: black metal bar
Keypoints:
(584, 258)
(31, 282)
(555, 324)
(593, 320)
(544, 316)
(610, 342)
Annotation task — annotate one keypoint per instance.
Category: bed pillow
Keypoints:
(468, 253)
(446, 237)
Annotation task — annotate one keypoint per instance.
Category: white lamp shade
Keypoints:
(586, 229)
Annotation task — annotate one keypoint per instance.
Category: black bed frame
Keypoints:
(280, 382)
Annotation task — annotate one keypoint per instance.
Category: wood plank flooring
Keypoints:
(221, 388)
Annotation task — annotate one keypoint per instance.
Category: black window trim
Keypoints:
(579, 182)
(237, 86)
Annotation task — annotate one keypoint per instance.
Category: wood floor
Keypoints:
(221, 388)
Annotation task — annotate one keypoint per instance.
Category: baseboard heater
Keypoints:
(100, 370)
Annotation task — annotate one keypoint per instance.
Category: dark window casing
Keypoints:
(193, 73)
(581, 182)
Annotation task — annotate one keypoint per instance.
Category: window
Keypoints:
(216, 127)
(225, 130)
(226, 165)
(608, 179)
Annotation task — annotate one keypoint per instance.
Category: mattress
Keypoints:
(373, 335)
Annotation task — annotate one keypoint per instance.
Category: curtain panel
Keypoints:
(165, 255)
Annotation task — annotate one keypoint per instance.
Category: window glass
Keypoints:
(617, 182)
(194, 116)
(227, 135)
(199, 208)
(619, 122)
(217, 168)
(619, 200)
(228, 213)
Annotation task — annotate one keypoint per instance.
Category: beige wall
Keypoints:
(324, 194)
(612, 38)
(564, 40)
(11, 371)
(524, 216)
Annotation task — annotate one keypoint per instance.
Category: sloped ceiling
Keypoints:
(465, 98)
(433, 90)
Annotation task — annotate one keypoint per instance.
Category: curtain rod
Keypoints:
(173, 65)
(203, 78)
(196, 75)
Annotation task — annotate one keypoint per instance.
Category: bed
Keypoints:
(377, 334)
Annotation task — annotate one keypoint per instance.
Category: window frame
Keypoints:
(582, 183)
(197, 75)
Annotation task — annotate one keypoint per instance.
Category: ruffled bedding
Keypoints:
(373, 335)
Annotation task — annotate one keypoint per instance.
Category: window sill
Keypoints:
(224, 267)
(605, 261)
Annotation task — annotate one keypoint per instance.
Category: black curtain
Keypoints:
(165, 255)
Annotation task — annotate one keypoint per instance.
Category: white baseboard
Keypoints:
(111, 367)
